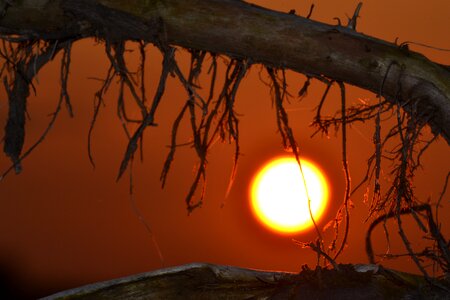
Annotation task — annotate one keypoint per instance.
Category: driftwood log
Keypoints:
(209, 281)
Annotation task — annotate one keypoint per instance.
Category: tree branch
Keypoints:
(243, 30)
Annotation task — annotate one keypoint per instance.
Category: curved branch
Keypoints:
(243, 30)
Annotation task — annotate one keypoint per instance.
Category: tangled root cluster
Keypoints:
(214, 118)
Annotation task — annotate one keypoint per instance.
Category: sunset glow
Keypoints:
(279, 199)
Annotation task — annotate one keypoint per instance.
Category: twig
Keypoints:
(423, 45)
(352, 22)
(444, 189)
(98, 100)
(310, 11)
(65, 67)
(317, 248)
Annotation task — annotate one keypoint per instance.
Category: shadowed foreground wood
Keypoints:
(208, 281)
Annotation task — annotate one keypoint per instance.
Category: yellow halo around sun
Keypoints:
(279, 199)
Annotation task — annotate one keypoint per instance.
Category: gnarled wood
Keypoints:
(208, 281)
(241, 29)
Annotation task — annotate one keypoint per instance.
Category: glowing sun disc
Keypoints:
(279, 198)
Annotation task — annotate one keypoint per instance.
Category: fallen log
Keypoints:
(209, 281)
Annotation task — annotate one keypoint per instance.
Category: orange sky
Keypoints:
(63, 224)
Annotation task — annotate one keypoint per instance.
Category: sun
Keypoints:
(279, 199)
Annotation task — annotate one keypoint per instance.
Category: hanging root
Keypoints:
(443, 255)
(168, 64)
(304, 90)
(23, 61)
(341, 119)
(399, 198)
(209, 120)
(347, 202)
(279, 93)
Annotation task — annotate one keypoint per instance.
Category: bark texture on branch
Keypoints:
(208, 281)
(243, 30)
